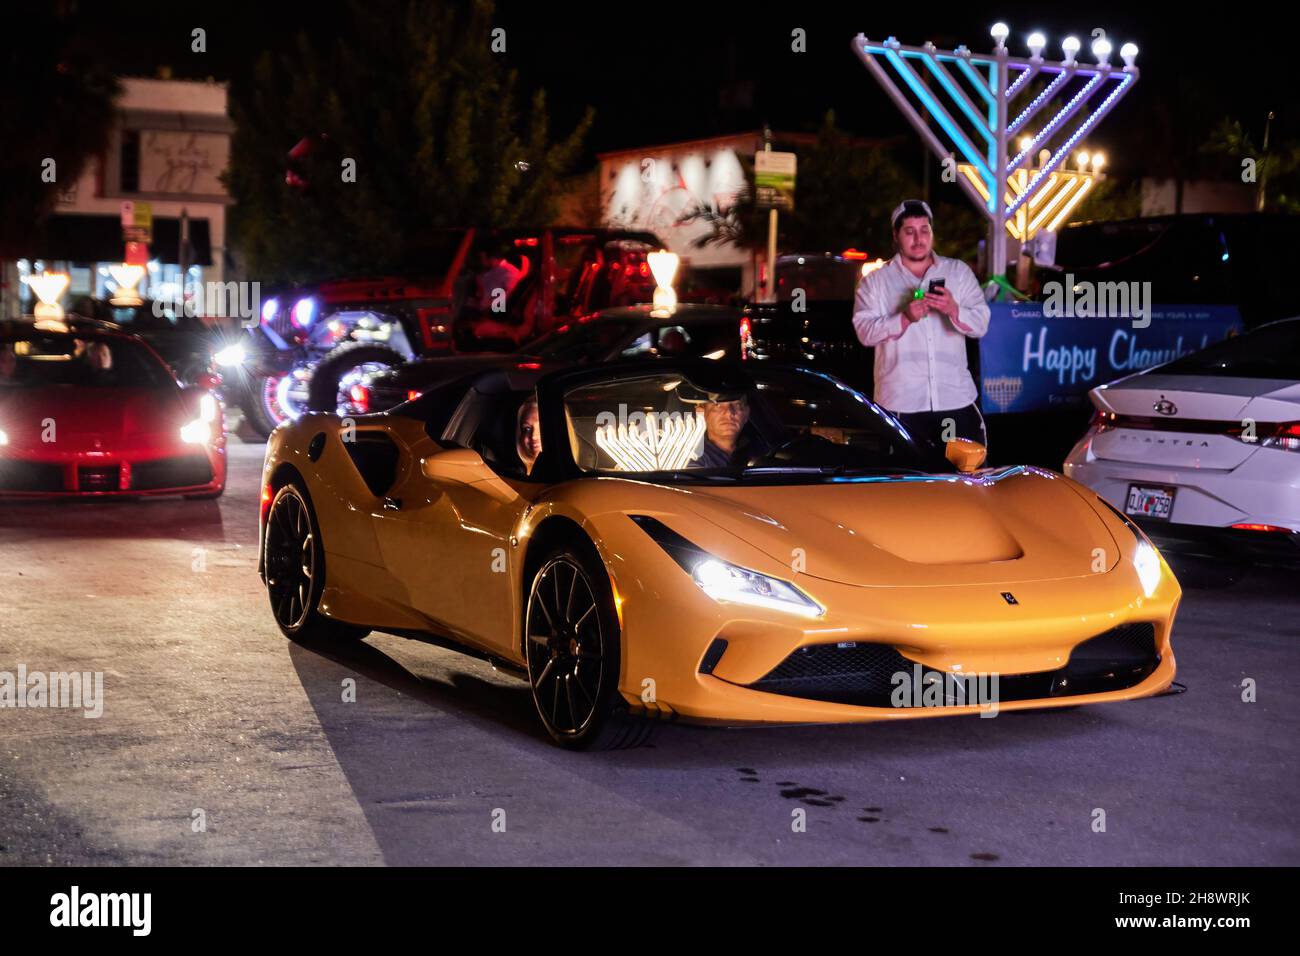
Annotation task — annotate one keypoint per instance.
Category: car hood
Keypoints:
(999, 526)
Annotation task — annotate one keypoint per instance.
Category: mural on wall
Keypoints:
(656, 192)
(183, 162)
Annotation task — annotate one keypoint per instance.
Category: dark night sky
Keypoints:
(654, 69)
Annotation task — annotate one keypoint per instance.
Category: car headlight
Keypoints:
(4, 437)
(736, 585)
(199, 431)
(1147, 562)
(726, 582)
(196, 432)
(231, 355)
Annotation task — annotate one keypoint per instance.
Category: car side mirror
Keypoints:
(966, 455)
(464, 466)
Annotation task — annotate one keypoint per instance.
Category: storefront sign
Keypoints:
(774, 180)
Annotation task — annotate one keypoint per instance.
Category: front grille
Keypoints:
(184, 471)
(99, 477)
(864, 674)
(30, 476)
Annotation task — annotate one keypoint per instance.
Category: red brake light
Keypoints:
(360, 396)
(412, 395)
(1248, 526)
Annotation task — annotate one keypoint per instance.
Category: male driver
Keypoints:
(918, 327)
(725, 417)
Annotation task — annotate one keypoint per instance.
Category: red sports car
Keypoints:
(88, 411)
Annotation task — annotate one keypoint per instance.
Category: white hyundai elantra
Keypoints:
(1208, 442)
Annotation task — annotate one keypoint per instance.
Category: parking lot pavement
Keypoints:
(221, 742)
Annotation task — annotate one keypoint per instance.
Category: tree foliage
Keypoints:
(414, 95)
(56, 99)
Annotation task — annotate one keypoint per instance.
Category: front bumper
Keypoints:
(115, 476)
(672, 666)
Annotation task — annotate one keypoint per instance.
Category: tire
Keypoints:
(260, 414)
(295, 571)
(572, 644)
(323, 390)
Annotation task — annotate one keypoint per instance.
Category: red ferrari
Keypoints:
(88, 411)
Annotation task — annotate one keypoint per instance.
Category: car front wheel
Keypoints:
(573, 636)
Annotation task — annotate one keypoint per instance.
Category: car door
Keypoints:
(446, 541)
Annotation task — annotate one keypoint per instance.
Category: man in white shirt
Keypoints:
(917, 311)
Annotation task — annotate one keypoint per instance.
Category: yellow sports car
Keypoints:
(736, 543)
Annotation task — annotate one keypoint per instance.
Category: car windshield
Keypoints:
(580, 340)
(1270, 351)
(91, 361)
(733, 424)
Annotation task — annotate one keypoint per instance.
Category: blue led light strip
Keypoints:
(1089, 88)
(958, 96)
(936, 110)
(1048, 92)
(969, 71)
(1021, 80)
(1078, 134)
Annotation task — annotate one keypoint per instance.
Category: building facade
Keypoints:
(168, 149)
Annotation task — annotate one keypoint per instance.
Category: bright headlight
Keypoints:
(196, 432)
(207, 408)
(735, 585)
(1147, 562)
(231, 355)
(4, 437)
(726, 582)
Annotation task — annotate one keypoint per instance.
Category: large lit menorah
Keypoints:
(658, 442)
(983, 89)
(1055, 198)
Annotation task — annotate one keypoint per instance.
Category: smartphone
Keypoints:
(937, 284)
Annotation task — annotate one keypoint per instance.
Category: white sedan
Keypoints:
(1207, 443)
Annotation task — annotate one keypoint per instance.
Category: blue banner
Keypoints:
(1030, 362)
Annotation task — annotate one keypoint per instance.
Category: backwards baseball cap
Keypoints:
(907, 209)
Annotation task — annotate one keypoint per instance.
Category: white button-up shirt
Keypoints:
(920, 366)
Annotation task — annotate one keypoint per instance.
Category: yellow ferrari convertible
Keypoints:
(735, 543)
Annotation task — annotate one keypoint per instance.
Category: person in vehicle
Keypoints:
(725, 417)
(528, 435)
(496, 280)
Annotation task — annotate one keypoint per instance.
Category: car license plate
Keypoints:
(1145, 501)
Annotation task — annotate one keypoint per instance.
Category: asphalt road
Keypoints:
(211, 717)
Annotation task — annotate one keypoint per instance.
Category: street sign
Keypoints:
(137, 221)
(774, 180)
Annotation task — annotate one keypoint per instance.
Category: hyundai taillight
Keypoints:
(1101, 421)
(1285, 436)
